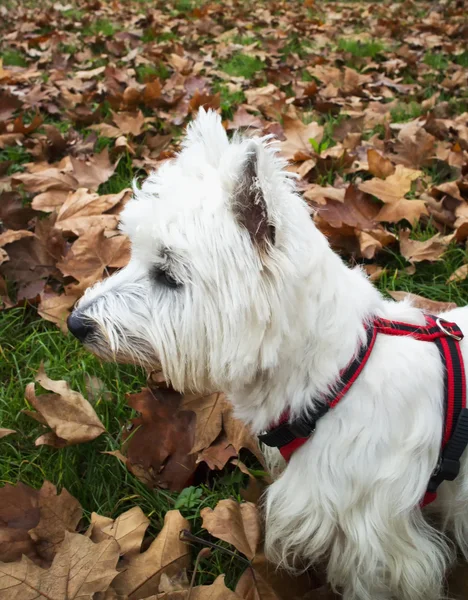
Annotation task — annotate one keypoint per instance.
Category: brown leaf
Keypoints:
(129, 123)
(459, 274)
(218, 454)
(416, 251)
(394, 187)
(357, 210)
(79, 570)
(84, 203)
(49, 178)
(167, 554)
(4, 432)
(159, 449)
(66, 412)
(56, 308)
(410, 210)
(378, 165)
(239, 434)
(92, 253)
(430, 306)
(91, 173)
(58, 513)
(237, 524)
(209, 417)
(297, 146)
(216, 591)
(128, 529)
(13, 214)
(49, 201)
(8, 237)
(19, 512)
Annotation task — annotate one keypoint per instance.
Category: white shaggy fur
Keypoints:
(272, 328)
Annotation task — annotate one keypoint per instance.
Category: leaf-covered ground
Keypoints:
(369, 102)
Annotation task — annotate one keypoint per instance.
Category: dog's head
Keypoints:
(216, 236)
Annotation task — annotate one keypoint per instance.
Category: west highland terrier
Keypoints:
(231, 287)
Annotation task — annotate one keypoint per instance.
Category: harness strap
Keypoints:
(288, 435)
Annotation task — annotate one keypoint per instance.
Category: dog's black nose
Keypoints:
(79, 325)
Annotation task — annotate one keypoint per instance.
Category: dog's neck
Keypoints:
(319, 340)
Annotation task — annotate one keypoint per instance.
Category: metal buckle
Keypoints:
(454, 336)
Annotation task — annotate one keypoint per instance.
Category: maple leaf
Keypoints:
(79, 570)
(129, 123)
(70, 416)
(237, 524)
(166, 554)
(431, 249)
(159, 449)
(4, 432)
(431, 306)
(378, 165)
(56, 307)
(58, 513)
(128, 529)
(92, 172)
(394, 187)
(19, 512)
(216, 591)
(297, 146)
(93, 253)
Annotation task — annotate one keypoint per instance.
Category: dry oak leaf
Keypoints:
(431, 306)
(216, 591)
(459, 274)
(297, 146)
(56, 308)
(92, 253)
(19, 512)
(49, 178)
(4, 432)
(209, 417)
(410, 210)
(128, 529)
(237, 524)
(70, 416)
(378, 165)
(79, 570)
(167, 554)
(129, 123)
(394, 187)
(58, 513)
(159, 451)
(92, 172)
(431, 249)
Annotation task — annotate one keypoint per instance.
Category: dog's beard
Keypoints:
(123, 349)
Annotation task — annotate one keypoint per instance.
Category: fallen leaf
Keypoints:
(297, 146)
(128, 529)
(216, 591)
(459, 274)
(166, 554)
(93, 253)
(4, 432)
(161, 439)
(19, 512)
(394, 187)
(378, 165)
(92, 172)
(129, 123)
(237, 524)
(79, 570)
(209, 418)
(416, 251)
(70, 416)
(431, 306)
(58, 513)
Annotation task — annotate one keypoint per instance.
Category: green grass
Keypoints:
(242, 65)
(18, 155)
(101, 26)
(406, 112)
(122, 176)
(461, 59)
(229, 100)
(429, 280)
(13, 58)
(150, 72)
(99, 481)
(296, 45)
(369, 49)
(436, 61)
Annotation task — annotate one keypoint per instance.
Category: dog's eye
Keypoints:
(165, 278)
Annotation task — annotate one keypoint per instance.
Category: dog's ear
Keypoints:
(249, 203)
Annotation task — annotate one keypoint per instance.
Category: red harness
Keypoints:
(289, 435)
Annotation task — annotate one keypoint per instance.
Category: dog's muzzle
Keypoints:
(79, 326)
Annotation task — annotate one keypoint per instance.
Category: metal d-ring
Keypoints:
(456, 337)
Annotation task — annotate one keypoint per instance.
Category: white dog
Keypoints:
(231, 287)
